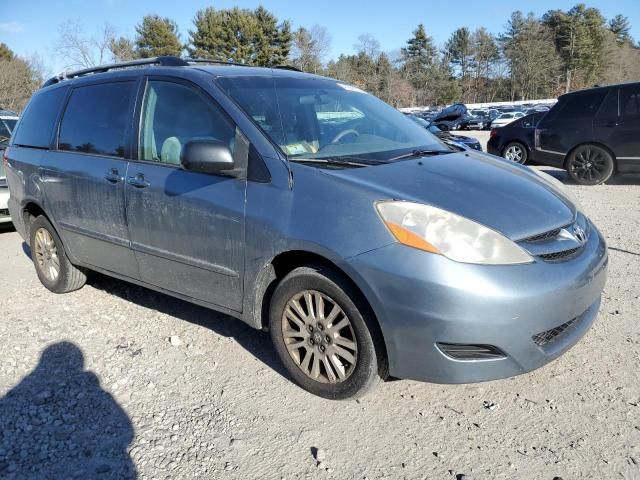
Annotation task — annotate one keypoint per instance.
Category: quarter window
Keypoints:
(174, 114)
(630, 101)
(38, 120)
(96, 119)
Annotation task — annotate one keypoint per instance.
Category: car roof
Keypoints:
(175, 65)
(601, 87)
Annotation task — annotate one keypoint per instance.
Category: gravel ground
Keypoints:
(116, 381)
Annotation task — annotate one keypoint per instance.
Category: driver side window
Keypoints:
(174, 114)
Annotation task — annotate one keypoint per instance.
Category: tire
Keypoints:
(353, 361)
(47, 253)
(516, 152)
(590, 165)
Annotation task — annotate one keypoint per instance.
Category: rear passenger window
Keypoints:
(582, 105)
(38, 120)
(630, 101)
(95, 120)
(175, 114)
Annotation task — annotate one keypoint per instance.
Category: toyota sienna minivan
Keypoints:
(306, 207)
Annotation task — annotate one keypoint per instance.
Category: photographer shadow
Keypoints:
(59, 423)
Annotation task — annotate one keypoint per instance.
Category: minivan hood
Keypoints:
(499, 194)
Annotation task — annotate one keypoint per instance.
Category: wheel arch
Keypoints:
(30, 211)
(283, 263)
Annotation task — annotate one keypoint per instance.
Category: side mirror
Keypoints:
(206, 156)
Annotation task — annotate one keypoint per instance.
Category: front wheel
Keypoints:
(319, 327)
(590, 165)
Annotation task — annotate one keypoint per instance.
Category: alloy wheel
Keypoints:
(47, 254)
(514, 153)
(319, 337)
(589, 164)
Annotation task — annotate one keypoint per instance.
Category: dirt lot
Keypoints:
(91, 386)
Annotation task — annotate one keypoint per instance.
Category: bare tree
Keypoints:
(310, 48)
(19, 78)
(78, 50)
(368, 45)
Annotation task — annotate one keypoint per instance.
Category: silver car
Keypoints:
(306, 207)
(8, 120)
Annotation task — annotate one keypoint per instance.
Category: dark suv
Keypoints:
(592, 133)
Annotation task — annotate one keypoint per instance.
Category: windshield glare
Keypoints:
(322, 118)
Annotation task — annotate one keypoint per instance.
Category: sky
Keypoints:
(31, 26)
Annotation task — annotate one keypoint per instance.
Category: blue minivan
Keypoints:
(304, 206)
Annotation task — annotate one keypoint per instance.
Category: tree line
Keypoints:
(532, 57)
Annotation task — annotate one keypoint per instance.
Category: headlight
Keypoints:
(438, 231)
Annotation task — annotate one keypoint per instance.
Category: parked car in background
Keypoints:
(592, 133)
(515, 141)
(506, 118)
(465, 142)
(453, 117)
(307, 207)
(8, 120)
(478, 120)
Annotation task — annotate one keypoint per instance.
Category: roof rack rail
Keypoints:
(216, 62)
(164, 61)
(287, 67)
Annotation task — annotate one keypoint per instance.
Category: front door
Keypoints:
(187, 228)
(84, 177)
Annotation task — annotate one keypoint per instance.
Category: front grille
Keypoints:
(541, 237)
(560, 256)
(545, 338)
(4, 212)
(462, 351)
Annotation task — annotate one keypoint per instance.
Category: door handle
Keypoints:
(112, 176)
(138, 181)
(609, 124)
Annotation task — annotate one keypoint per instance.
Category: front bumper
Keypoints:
(421, 299)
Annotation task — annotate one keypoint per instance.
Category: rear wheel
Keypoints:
(590, 165)
(319, 327)
(54, 269)
(516, 152)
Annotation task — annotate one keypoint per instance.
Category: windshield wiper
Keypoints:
(343, 161)
(419, 153)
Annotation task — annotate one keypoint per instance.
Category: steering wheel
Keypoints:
(344, 133)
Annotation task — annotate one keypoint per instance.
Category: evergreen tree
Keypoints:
(240, 35)
(157, 36)
(5, 52)
(460, 50)
(579, 36)
(620, 27)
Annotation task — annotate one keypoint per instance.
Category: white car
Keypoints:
(506, 118)
(8, 120)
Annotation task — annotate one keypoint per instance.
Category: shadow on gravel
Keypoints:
(254, 341)
(59, 423)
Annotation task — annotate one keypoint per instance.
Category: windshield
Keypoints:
(324, 119)
(506, 115)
